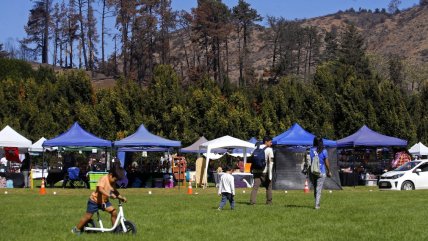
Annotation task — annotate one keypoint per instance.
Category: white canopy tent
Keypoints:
(224, 142)
(419, 149)
(37, 146)
(10, 138)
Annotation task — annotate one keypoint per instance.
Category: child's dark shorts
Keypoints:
(94, 207)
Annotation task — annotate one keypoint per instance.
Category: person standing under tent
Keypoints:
(25, 170)
(318, 180)
(264, 177)
(3, 163)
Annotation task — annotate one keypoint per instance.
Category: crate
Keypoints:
(94, 177)
(371, 182)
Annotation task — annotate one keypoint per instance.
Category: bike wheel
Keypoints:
(90, 224)
(130, 227)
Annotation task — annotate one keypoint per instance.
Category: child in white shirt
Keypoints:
(226, 189)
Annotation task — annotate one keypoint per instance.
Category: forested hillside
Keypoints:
(215, 72)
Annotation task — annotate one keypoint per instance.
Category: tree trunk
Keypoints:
(82, 35)
(55, 54)
(70, 39)
(90, 38)
(46, 34)
(103, 16)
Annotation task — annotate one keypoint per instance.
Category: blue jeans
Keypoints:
(227, 196)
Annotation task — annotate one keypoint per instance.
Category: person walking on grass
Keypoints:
(99, 199)
(317, 180)
(263, 173)
(226, 189)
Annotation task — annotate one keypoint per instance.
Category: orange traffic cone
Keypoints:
(306, 189)
(189, 188)
(42, 190)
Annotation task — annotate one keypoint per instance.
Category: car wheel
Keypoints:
(407, 185)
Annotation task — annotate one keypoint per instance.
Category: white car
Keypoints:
(410, 176)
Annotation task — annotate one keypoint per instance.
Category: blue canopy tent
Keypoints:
(143, 141)
(75, 138)
(367, 137)
(297, 136)
(143, 138)
(357, 147)
(290, 153)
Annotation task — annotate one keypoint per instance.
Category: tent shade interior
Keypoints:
(224, 142)
(288, 165)
(367, 137)
(297, 136)
(142, 137)
(10, 138)
(290, 152)
(76, 136)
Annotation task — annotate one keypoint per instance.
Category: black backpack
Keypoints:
(259, 159)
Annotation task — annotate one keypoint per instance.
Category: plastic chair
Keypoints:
(74, 178)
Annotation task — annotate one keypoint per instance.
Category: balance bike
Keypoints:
(120, 226)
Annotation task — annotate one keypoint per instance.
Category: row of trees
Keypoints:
(346, 88)
(346, 93)
(212, 40)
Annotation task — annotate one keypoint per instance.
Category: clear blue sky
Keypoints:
(14, 13)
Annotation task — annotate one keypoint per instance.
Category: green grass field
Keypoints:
(171, 214)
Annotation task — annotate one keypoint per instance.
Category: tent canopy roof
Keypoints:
(194, 148)
(37, 146)
(10, 138)
(367, 137)
(419, 149)
(226, 142)
(78, 137)
(297, 136)
(142, 137)
(240, 152)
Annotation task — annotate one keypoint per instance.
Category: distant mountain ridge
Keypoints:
(403, 34)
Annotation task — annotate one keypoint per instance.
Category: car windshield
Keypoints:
(407, 166)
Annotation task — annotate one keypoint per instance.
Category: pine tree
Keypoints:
(352, 52)
(244, 17)
(37, 29)
(331, 45)
(92, 35)
(393, 6)
(211, 28)
(71, 32)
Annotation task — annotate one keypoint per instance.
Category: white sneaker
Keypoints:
(76, 231)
